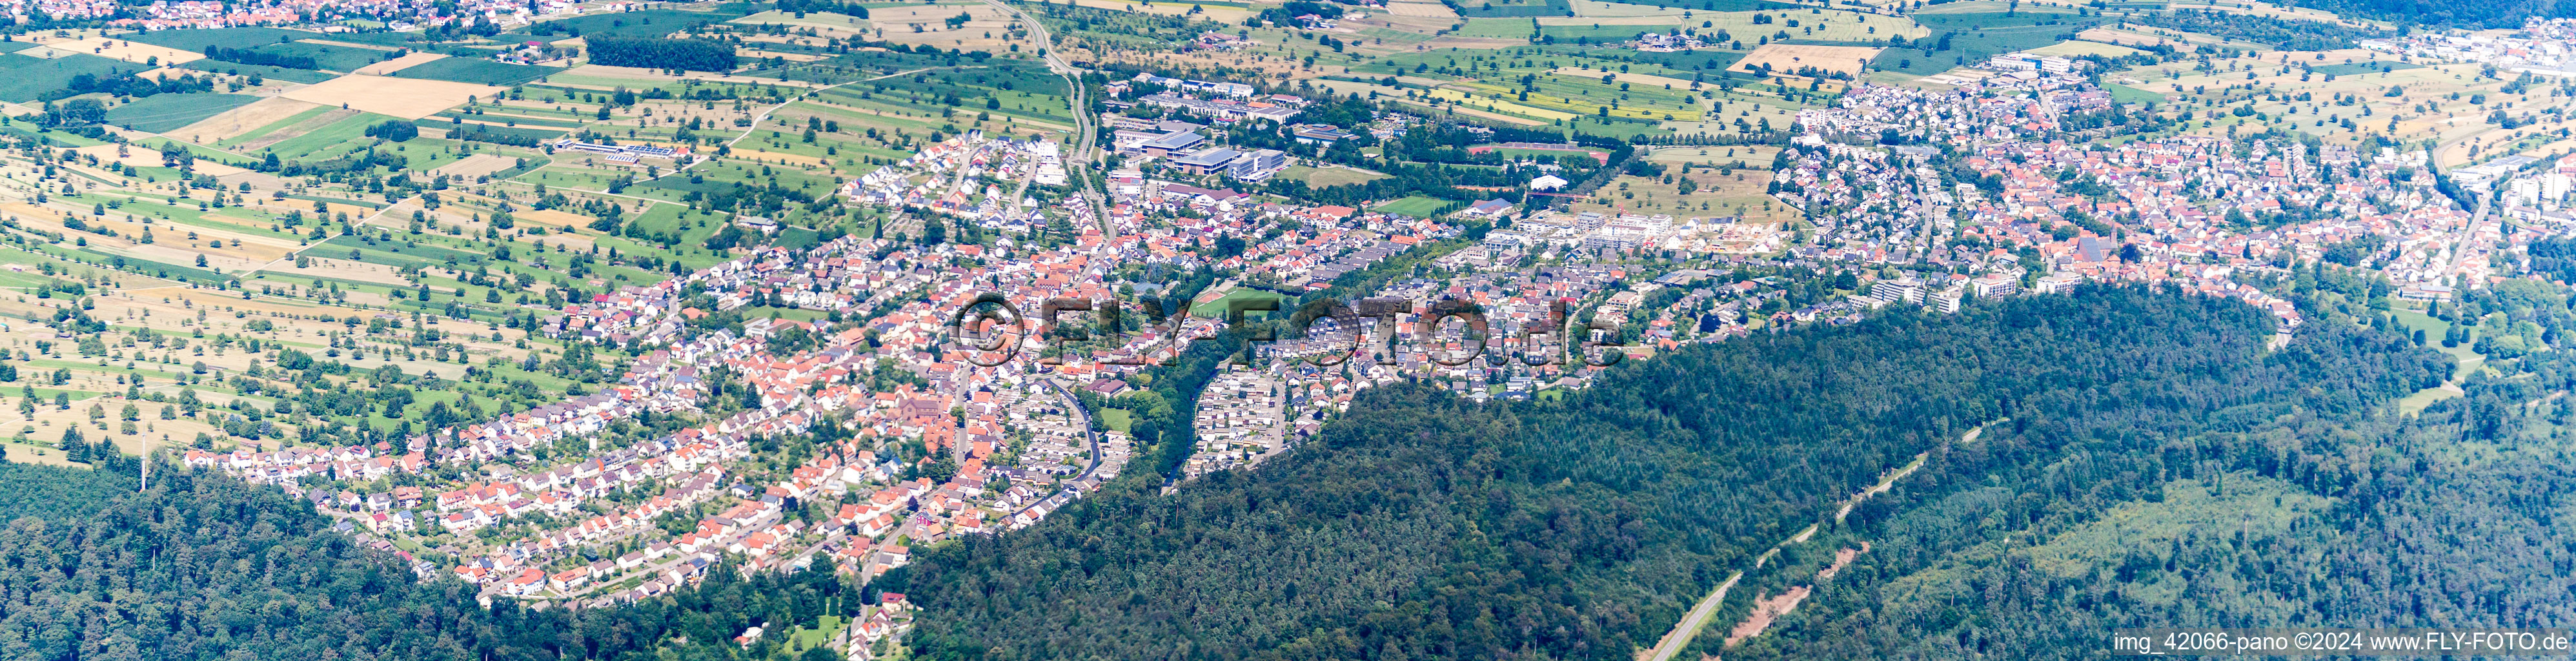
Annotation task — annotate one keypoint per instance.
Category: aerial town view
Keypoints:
(1384, 330)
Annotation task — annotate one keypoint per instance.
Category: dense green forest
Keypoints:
(208, 567)
(2289, 512)
(1421, 527)
(690, 54)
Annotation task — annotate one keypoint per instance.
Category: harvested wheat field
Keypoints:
(388, 67)
(124, 50)
(146, 158)
(1786, 58)
(408, 98)
(1420, 9)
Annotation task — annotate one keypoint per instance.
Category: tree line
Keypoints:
(261, 58)
(2324, 505)
(651, 53)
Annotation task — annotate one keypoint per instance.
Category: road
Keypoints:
(1692, 622)
(2461, 248)
(1090, 439)
(1090, 436)
(1077, 160)
(1687, 629)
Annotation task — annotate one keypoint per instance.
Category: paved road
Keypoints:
(1689, 628)
(1692, 622)
(1090, 438)
(1078, 159)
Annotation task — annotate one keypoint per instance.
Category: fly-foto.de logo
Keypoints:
(1450, 332)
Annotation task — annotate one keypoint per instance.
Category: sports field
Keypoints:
(1416, 206)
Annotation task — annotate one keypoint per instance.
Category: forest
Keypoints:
(260, 58)
(690, 54)
(1421, 527)
(2295, 510)
(206, 567)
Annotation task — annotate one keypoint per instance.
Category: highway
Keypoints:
(1077, 159)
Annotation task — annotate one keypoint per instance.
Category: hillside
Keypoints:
(2281, 516)
(208, 567)
(1422, 527)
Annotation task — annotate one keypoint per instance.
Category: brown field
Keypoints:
(122, 50)
(146, 158)
(1786, 57)
(1420, 9)
(476, 166)
(406, 98)
(388, 67)
(552, 217)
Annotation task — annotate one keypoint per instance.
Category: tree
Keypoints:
(688, 54)
(394, 130)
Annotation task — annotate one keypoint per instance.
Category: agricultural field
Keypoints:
(475, 71)
(646, 23)
(406, 215)
(163, 112)
(23, 77)
(425, 190)
(327, 57)
(401, 97)
(194, 41)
